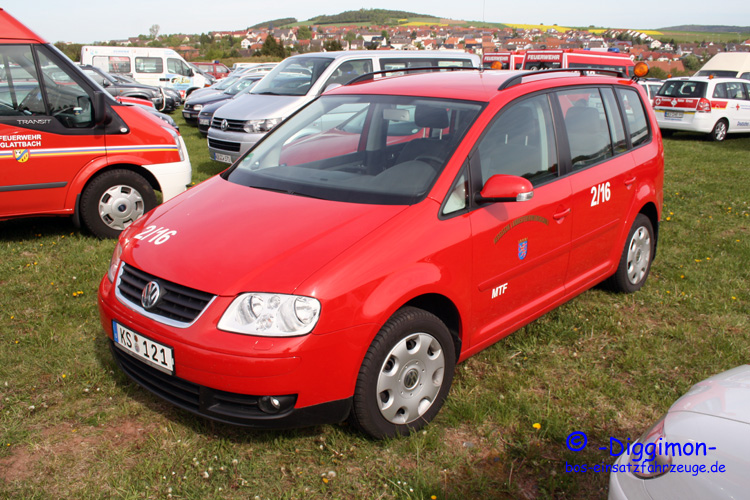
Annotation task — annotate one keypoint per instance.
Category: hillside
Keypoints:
(699, 28)
(366, 16)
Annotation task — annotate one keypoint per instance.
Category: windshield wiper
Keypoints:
(287, 191)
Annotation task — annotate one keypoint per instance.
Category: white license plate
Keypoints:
(221, 157)
(186, 115)
(673, 114)
(204, 121)
(149, 351)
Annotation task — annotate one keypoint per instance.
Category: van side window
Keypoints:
(112, 64)
(635, 116)
(720, 92)
(149, 65)
(521, 142)
(177, 67)
(349, 70)
(586, 125)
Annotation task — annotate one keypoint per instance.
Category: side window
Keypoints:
(68, 102)
(177, 66)
(112, 64)
(735, 90)
(720, 92)
(458, 197)
(586, 125)
(520, 142)
(635, 115)
(348, 71)
(59, 96)
(614, 119)
(21, 94)
(149, 65)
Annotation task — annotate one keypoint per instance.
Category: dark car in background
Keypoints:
(122, 88)
(194, 105)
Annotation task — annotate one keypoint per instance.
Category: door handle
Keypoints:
(629, 182)
(561, 215)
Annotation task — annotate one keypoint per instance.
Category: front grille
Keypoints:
(224, 145)
(177, 303)
(232, 125)
(218, 405)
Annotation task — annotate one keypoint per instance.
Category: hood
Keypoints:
(229, 238)
(260, 107)
(209, 99)
(726, 395)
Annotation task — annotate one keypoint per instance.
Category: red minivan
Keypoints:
(345, 276)
(67, 147)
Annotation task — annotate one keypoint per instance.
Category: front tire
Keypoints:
(113, 200)
(635, 262)
(405, 376)
(719, 132)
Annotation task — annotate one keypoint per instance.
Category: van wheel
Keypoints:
(635, 262)
(719, 133)
(405, 376)
(113, 200)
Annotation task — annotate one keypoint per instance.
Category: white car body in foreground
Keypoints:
(715, 412)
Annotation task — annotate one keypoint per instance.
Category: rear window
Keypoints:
(717, 73)
(683, 88)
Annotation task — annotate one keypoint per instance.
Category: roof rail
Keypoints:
(371, 76)
(516, 79)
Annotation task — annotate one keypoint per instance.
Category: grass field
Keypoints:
(73, 426)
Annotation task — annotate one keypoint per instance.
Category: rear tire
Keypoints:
(635, 262)
(113, 200)
(719, 132)
(405, 376)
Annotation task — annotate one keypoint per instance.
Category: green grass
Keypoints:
(73, 426)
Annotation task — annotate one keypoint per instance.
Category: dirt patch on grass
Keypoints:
(70, 446)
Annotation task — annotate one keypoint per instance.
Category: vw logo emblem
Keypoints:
(150, 295)
(224, 125)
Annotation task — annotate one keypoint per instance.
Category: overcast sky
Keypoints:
(85, 21)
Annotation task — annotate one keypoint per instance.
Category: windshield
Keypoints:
(359, 149)
(240, 86)
(716, 73)
(682, 88)
(294, 76)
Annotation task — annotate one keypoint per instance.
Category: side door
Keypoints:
(602, 174)
(520, 249)
(738, 107)
(47, 131)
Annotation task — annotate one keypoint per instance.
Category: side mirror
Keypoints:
(100, 115)
(505, 188)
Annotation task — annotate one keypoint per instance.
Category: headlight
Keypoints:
(198, 107)
(271, 315)
(261, 126)
(114, 263)
(648, 455)
(176, 138)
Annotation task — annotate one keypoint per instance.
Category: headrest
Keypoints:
(431, 117)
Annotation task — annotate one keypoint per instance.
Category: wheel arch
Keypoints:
(650, 211)
(85, 178)
(444, 308)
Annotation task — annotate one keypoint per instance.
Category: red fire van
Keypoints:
(576, 58)
(68, 148)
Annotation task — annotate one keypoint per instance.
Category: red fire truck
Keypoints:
(577, 58)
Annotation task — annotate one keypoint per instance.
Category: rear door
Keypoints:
(602, 124)
(47, 132)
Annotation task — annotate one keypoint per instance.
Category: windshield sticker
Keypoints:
(520, 220)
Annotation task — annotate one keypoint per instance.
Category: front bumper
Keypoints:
(228, 146)
(223, 376)
(173, 178)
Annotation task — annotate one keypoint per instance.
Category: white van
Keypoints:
(727, 65)
(297, 80)
(147, 65)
